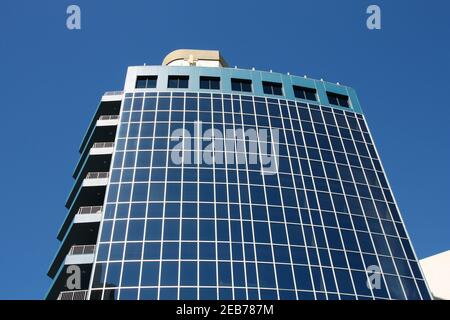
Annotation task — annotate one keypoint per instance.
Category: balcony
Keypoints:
(80, 256)
(112, 96)
(94, 179)
(108, 120)
(73, 295)
(87, 196)
(79, 232)
(93, 154)
(109, 105)
(83, 230)
(84, 249)
(113, 93)
(90, 210)
(103, 130)
(82, 187)
(82, 219)
(98, 159)
(102, 148)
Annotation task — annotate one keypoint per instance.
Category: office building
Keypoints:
(204, 181)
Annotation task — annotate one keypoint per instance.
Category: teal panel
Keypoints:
(257, 77)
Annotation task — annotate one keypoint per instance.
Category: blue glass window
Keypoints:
(338, 99)
(207, 273)
(274, 88)
(146, 82)
(209, 83)
(305, 93)
(178, 82)
(130, 276)
(188, 273)
(244, 85)
(266, 275)
(150, 274)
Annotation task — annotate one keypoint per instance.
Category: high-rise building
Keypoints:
(201, 181)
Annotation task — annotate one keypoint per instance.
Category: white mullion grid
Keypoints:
(369, 232)
(379, 219)
(148, 190)
(265, 196)
(351, 219)
(181, 196)
(372, 199)
(344, 250)
(281, 193)
(398, 211)
(250, 200)
(216, 247)
(129, 214)
(309, 211)
(296, 195)
(131, 196)
(199, 149)
(105, 201)
(346, 201)
(323, 226)
(163, 197)
(239, 193)
(197, 195)
(228, 195)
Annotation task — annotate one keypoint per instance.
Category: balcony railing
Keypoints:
(113, 93)
(73, 295)
(109, 117)
(97, 175)
(90, 210)
(86, 249)
(103, 145)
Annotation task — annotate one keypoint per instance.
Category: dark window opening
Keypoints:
(338, 99)
(143, 82)
(272, 88)
(241, 85)
(181, 82)
(212, 83)
(305, 93)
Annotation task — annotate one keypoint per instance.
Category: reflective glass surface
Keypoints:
(315, 229)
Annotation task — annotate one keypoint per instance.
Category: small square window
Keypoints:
(244, 85)
(212, 83)
(178, 82)
(305, 93)
(274, 88)
(143, 82)
(338, 99)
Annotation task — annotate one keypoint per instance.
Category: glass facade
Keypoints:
(312, 230)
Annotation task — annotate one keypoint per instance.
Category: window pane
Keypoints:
(338, 99)
(305, 93)
(272, 88)
(241, 85)
(210, 83)
(146, 82)
(178, 82)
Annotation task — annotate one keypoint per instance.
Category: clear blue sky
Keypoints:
(51, 80)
